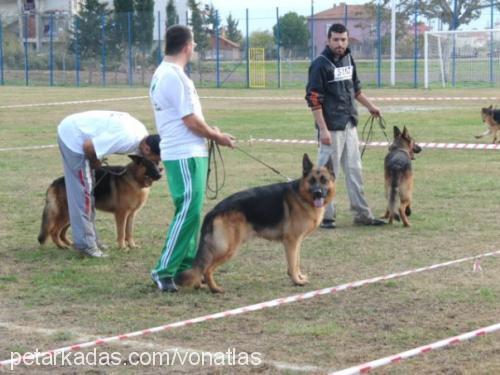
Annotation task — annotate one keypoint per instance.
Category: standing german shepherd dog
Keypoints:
(285, 212)
(119, 190)
(399, 176)
(492, 118)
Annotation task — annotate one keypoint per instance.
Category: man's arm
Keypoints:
(89, 152)
(363, 99)
(314, 97)
(200, 127)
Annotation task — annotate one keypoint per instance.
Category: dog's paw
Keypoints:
(217, 289)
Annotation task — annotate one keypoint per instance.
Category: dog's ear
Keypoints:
(136, 158)
(405, 133)
(329, 167)
(397, 132)
(307, 165)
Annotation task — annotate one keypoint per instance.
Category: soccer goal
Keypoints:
(462, 58)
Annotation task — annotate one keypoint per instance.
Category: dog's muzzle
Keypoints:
(318, 194)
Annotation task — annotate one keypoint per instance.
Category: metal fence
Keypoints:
(53, 49)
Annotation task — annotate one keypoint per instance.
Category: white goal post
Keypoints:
(469, 57)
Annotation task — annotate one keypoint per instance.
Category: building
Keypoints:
(40, 14)
(228, 50)
(357, 18)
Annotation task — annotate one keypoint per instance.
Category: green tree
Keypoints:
(233, 33)
(198, 23)
(212, 18)
(172, 16)
(143, 27)
(263, 39)
(467, 10)
(86, 34)
(118, 33)
(294, 34)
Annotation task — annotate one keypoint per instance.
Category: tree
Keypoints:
(233, 33)
(86, 34)
(467, 10)
(172, 16)
(143, 27)
(119, 30)
(294, 34)
(212, 19)
(263, 39)
(198, 24)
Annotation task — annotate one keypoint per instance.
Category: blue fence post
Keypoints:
(379, 45)
(2, 82)
(217, 48)
(77, 51)
(26, 62)
(453, 52)
(159, 38)
(129, 25)
(103, 49)
(492, 25)
(278, 46)
(311, 57)
(247, 47)
(345, 14)
(51, 50)
(415, 52)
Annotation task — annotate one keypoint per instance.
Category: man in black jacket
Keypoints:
(332, 90)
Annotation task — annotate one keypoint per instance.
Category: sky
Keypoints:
(262, 13)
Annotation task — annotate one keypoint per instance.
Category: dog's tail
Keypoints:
(204, 257)
(393, 195)
(50, 204)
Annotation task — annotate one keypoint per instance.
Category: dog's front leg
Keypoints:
(121, 218)
(292, 249)
(487, 132)
(129, 230)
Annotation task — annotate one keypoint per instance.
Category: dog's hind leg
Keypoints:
(63, 237)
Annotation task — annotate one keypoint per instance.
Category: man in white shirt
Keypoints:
(84, 139)
(183, 131)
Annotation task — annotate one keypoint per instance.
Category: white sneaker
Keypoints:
(93, 252)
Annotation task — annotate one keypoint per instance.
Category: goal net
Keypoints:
(462, 58)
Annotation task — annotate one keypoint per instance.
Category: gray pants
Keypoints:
(345, 151)
(79, 180)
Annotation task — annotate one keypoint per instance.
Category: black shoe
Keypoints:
(328, 224)
(373, 221)
(167, 284)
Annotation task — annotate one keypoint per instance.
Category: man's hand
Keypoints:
(325, 137)
(225, 139)
(375, 111)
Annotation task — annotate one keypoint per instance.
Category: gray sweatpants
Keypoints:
(79, 180)
(345, 152)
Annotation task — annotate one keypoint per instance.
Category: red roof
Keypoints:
(338, 11)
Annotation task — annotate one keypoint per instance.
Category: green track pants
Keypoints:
(187, 182)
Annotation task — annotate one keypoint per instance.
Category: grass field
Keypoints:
(50, 297)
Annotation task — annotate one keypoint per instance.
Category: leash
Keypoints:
(104, 163)
(264, 164)
(371, 120)
(213, 153)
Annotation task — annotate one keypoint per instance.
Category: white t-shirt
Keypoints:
(111, 132)
(173, 97)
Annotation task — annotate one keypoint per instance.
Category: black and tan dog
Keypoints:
(399, 176)
(119, 190)
(285, 212)
(492, 118)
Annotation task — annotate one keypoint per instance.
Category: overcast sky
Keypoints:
(262, 13)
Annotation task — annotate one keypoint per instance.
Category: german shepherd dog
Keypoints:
(492, 118)
(119, 190)
(286, 212)
(399, 176)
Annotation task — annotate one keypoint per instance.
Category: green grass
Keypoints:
(455, 214)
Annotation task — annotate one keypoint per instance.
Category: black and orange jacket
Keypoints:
(335, 97)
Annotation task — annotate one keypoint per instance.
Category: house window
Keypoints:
(29, 4)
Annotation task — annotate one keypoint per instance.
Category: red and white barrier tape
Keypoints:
(368, 366)
(246, 309)
(27, 148)
(263, 98)
(436, 145)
